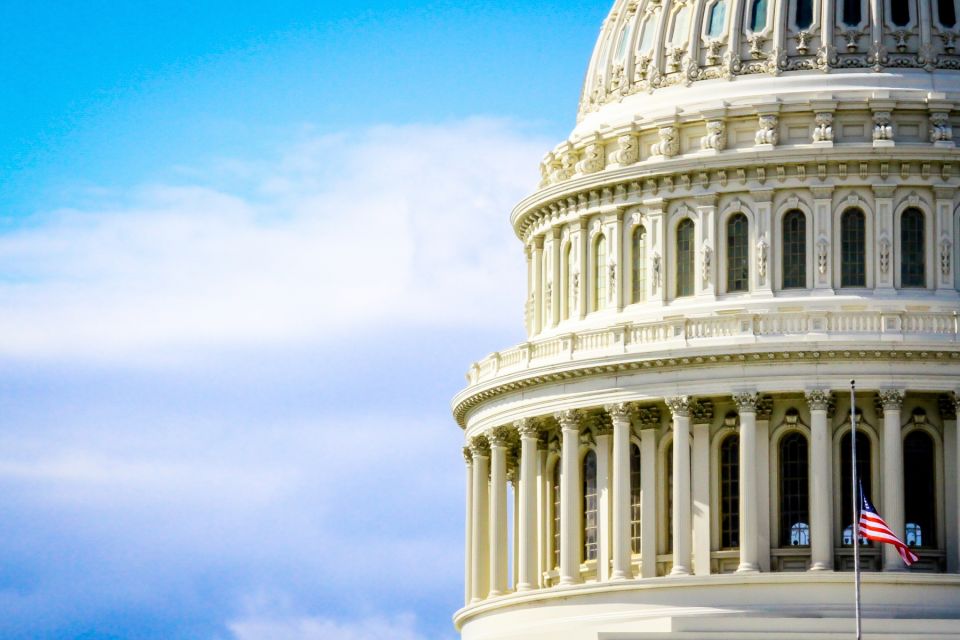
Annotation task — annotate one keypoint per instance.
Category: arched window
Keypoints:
(803, 14)
(918, 486)
(646, 36)
(730, 492)
(623, 41)
(590, 506)
(599, 273)
(718, 14)
(685, 258)
(639, 246)
(678, 37)
(794, 250)
(852, 12)
(794, 491)
(947, 13)
(758, 15)
(900, 12)
(863, 473)
(635, 496)
(912, 259)
(556, 514)
(738, 259)
(571, 291)
(853, 249)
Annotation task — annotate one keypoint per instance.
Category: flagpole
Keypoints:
(855, 527)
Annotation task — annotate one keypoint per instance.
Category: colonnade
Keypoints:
(489, 455)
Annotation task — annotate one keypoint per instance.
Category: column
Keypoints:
(537, 285)
(648, 498)
(620, 416)
(569, 497)
(513, 477)
(821, 482)
(543, 523)
(955, 472)
(892, 400)
(468, 549)
(480, 572)
(948, 414)
(701, 496)
(499, 440)
(526, 561)
(603, 435)
(680, 407)
(581, 288)
(749, 523)
(554, 277)
(764, 409)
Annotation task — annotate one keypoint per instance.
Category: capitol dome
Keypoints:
(758, 204)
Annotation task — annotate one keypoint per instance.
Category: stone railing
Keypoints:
(747, 328)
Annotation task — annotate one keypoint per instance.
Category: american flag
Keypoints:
(872, 527)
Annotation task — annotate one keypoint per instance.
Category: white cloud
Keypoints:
(401, 627)
(391, 228)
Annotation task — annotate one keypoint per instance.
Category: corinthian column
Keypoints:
(821, 483)
(682, 540)
(527, 560)
(620, 415)
(569, 497)
(480, 572)
(749, 507)
(499, 440)
(468, 536)
(892, 400)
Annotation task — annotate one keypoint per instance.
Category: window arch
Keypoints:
(803, 13)
(716, 16)
(738, 258)
(681, 20)
(623, 41)
(730, 492)
(863, 473)
(590, 537)
(635, 499)
(556, 514)
(569, 269)
(912, 249)
(794, 250)
(758, 15)
(685, 258)
(918, 484)
(599, 273)
(794, 491)
(646, 36)
(639, 266)
(853, 249)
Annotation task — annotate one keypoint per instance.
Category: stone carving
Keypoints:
(702, 411)
(803, 42)
(640, 69)
(612, 269)
(746, 401)
(576, 289)
(891, 398)
(945, 251)
(527, 428)
(940, 129)
(467, 455)
(948, 405)
(716, 137)
(823, 131)
(822, 247)
(767, 132)
(707, 260)
(819, 399)
(656, 260)
(548, 295)
(669, 143)
(593, 159)
(884, 255)
(619, 412)
(649, 416)
(500, 436)
(762, 248)
(480, 446)
(680, 405)
(852, 36)
(568, 419)
(882, 126)
(627, 150)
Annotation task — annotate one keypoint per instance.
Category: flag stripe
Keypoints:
(873, 527)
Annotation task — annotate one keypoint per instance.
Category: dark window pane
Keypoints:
(900, 12)
(853, 249)
(794, 250)
(758, 15)
(912, 260)
(635, 496)
(947, 13)
(794, 491)
(918, 487)
(864, 475)
(804, 14)
(730, 492)
(851, 12)
(590, 506)
(738, 259)
(685, 258)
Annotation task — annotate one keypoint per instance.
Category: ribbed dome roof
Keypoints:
(649, 45)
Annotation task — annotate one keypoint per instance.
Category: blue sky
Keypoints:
(247, 253)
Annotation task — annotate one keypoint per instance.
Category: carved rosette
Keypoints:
(746, 401)
(680, 405)
(819, 399)
(891, 399)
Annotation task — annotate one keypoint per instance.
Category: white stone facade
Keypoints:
(748, 215)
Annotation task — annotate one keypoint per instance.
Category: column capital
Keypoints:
(500, 436)
(746, 401)
(891, 399)
(527, 428)
(649, 417)
(818, 399)
(680, 405)
(568, 419)
(948, 406)
(468, 455)
(702, 411)
(480, 447)
(619, 412)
